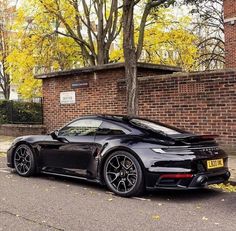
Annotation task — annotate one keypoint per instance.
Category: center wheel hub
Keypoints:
(122, 173)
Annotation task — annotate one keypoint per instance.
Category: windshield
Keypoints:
(154, 126)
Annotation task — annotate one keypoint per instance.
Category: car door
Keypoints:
(72, 153)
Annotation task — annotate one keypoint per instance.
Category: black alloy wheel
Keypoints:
(123, 174)
(24, 160)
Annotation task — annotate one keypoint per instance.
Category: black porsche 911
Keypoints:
(127, 154)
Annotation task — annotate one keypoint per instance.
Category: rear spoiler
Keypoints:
(205, 136)
(195, 138)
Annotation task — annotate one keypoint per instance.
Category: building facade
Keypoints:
(230, 33)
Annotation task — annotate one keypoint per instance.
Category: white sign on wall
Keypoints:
(67, 97)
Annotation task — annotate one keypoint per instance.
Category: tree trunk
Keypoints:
(6, 92)
(130, 58)
(100, 35)
(5, 81)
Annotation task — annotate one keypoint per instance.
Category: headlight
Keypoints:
(158, 150)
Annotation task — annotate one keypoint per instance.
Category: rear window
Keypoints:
(154, 126)
(110, 129)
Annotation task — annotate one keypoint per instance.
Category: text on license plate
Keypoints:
(218, 163)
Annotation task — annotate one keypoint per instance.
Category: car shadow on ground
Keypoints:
(66, 180)
(157, 195)
(185, 195)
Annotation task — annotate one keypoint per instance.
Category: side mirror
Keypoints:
(54, 134)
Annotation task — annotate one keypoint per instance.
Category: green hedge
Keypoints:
(20, 112)
(3, 111)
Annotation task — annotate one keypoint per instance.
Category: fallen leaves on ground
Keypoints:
(2, 154)
(225, 187)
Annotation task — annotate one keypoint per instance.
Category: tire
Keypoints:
(123, 174)
(24, 160)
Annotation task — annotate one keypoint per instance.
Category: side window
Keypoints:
(81, 127)
(110, 129)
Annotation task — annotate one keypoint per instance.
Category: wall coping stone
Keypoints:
(106, 67)
(23, 125)
(185, 74)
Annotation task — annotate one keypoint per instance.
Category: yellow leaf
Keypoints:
(156, 217)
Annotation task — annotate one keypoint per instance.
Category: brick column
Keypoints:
(230, 33)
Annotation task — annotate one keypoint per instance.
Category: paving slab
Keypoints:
(5, 142)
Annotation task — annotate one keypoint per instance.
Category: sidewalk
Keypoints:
(5, 142)
(232, 167)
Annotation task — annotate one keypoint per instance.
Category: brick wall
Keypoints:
(230, 33)
(203, 102)
(102, 96)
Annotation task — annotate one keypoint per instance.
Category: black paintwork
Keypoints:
(84, 156)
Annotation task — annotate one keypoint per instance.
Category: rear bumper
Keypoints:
(196, 181)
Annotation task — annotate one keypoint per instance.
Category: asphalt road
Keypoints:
(48, 203)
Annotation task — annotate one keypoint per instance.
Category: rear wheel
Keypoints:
(24, 161)
(123, 174)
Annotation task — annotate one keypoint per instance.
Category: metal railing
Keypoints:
(19, 112)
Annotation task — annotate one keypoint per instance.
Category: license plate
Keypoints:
(218, 163)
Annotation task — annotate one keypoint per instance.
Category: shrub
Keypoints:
(3, 111)
(20, 112)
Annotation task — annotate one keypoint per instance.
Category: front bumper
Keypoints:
(196, 181)
(10, 157)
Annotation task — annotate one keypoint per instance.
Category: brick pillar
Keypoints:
(230, 33)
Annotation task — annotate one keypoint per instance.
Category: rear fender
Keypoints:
(107, 153)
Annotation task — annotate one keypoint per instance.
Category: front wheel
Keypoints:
(24, 161)
(123, 174)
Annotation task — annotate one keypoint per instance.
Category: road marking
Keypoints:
(141, 199)
(5, 170)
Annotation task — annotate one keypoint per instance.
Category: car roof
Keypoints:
(110, 117)
(125, 120)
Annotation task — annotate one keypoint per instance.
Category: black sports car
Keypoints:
(128, 154)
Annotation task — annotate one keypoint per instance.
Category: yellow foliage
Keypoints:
(36, 48)
(169, 42)
(166, 41)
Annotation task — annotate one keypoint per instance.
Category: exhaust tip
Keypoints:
(227, 175)
(202, 180)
